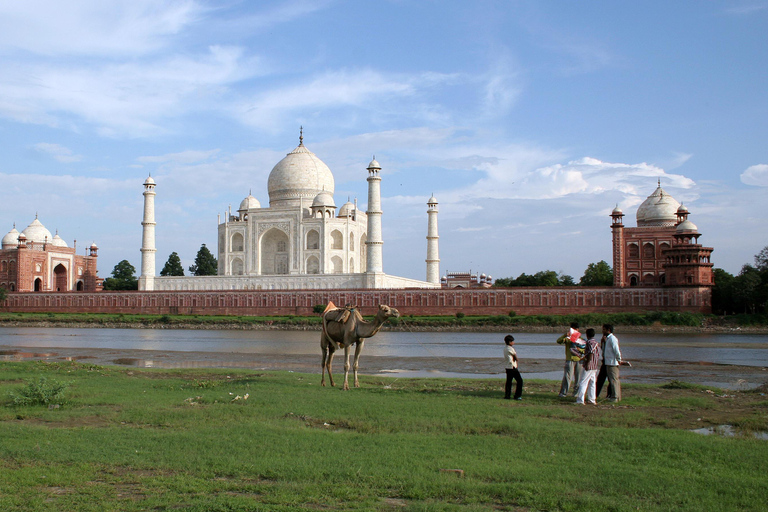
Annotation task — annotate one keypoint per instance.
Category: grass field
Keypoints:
(213, 440)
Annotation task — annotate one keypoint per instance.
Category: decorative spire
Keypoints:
(301, 135)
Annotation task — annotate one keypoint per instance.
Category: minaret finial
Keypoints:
(301, 135)
(659, 181)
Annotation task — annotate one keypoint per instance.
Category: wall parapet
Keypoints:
(492, 301)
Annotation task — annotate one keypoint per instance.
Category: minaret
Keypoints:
(147, 278)
(617, 228)
(374, 244)
(433, 256)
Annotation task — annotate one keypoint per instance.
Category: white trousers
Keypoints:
(587, 386)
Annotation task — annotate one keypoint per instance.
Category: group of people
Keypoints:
(587, 365)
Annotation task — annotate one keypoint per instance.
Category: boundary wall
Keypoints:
(491, 301)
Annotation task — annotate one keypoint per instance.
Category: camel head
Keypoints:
(387, 312)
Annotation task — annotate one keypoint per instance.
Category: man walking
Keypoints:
(612, 362)
(591, 362)
(510, 356)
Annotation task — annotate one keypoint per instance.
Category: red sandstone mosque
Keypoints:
(35, 261)
(663, 250)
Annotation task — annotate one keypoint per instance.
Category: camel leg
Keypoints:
(346, 366)
(329, 362)
(358, 350)
(325, 358)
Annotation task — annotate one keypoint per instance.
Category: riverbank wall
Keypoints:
(491, 301)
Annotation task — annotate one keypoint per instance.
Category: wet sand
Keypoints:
(649, 372)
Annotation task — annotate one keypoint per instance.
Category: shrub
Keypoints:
(40, 392)
(318, 309)
(512, 314)
(460, 315)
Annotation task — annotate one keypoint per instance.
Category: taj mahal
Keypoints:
(301, 241)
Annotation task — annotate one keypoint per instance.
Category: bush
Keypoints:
(40, 392)
(318, 309)
(460, 315)
(512, 314)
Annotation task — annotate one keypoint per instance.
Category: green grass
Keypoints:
(161, 440)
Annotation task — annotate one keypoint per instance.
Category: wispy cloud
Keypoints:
(57, 152)
(756, 175)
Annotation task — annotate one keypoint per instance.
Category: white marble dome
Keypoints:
(659, 209)
(11, 239)
(323, 199)
(57, 241)
(36, 232)
(346, 209)
(687, 225)
(299, 175)
(248, 203)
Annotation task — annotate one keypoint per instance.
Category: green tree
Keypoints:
(746, 288)
(565, 280)
(597, 274)
(173, 266)
(205, 263)
(761, 260)
(3, 293)
(123, 277)
(723, 301)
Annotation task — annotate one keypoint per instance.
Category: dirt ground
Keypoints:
(655, 372)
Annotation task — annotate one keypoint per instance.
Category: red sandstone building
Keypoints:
(35, 261)
(663, 249)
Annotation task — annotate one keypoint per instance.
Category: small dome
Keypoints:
(432, 200)
(11, 239)
(323, 199)
(347, 209)
(57, 241)
(149, 181)
(482, 276)
(617, 211)
(687, 225)
(249, 203)
(659, 209)
(94, 246)
(36, 232)
(374, 164)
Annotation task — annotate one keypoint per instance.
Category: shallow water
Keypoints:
(731, 349)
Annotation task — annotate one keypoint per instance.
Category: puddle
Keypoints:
(728, 431)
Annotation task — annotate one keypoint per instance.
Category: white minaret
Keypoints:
(433, 255)
(374, 244)
(147, 277)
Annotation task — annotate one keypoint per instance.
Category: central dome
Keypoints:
(299, 175)
(660, 209)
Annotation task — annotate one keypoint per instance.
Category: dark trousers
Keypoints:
(601, 376)
(513, 373)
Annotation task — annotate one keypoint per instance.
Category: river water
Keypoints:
(408, 353)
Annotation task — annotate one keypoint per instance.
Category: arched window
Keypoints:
(313, 265)
(282, 246)
(352, 242)
(273, 250)
(237, 267)
(352, 265)
(38, 284)
(338, 265)
(337, 240)
(237, 242)
(633, 251)
(649, 251)
(363, 252)
(633, 280)
(4, 266)
(313, 240)
(60, 278)
(79, 286)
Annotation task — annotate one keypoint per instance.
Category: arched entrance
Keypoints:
(60, 278)
(79, 286)
(274, 252)
(38, 284)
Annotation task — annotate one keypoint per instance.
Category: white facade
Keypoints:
(299, 241)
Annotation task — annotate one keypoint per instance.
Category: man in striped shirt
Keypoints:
(591, 363)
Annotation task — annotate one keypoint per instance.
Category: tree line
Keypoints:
(124, 274)
(596, 274)
(744, 293)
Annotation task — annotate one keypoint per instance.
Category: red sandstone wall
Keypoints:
(493, 301)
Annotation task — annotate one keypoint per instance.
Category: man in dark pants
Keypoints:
(510, 356)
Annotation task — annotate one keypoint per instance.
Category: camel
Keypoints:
(343, 328)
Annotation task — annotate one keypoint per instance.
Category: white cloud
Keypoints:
(57, 152)
(756, 175)
(92, 27)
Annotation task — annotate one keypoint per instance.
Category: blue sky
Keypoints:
(529, 121)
